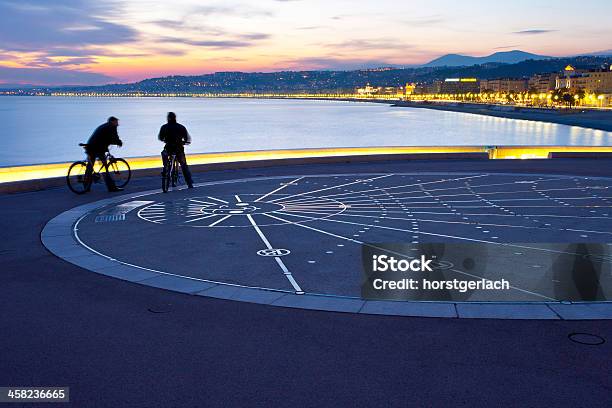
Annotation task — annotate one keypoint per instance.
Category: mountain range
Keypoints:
(515, 63)
(504, 57)
(328, 81)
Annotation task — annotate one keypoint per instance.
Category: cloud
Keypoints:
(102, 52)
(425, 21)
(172, 24)
(35, 25)
(373, 44)
(206, 43)
(72, 61)
(52, 76)
(255, 36)
(186, 30)
(52, 39)
(533, 32)
(331, 63)
(237, 11)
(311, 27)
(505, 47)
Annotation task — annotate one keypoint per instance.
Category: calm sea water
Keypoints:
(48, 129)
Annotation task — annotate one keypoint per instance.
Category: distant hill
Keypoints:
(599, 53)
(505, 57)
(20, 86)
(330, 81)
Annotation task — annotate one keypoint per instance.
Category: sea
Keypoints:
(48, 129)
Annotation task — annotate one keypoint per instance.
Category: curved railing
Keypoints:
(45, 171)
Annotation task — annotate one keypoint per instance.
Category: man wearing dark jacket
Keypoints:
(97, 146)
(175, 136)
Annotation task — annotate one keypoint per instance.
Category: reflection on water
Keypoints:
(48, 129)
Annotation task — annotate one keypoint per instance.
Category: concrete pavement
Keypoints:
(117, 343)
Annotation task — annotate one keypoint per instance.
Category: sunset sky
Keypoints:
(101, 41)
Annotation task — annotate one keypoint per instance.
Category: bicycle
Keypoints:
(170, 173)
(79, 182)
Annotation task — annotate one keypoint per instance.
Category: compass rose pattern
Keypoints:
(207, 211)
(491, 205)
(306, 234)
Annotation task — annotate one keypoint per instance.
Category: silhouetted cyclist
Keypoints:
(97, 146)
(175, 136)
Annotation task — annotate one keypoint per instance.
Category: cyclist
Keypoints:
(97, 146)
(175, 136)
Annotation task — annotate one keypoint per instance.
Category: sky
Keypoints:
(80, 42)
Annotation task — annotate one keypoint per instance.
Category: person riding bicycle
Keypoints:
(175, 136)
(97, 146)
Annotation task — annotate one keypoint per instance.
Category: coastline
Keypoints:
(598, 119)
(594, 119)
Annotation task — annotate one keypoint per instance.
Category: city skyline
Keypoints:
(86, 42)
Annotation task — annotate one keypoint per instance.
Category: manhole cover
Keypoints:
(586, 338)
(160, 309)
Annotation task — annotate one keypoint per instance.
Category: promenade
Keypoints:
(589, 118)
(67, 325)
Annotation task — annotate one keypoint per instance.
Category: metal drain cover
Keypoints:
(160, 309)
(586, 338)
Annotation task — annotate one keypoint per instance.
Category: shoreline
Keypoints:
(598, 119)
(593, 119)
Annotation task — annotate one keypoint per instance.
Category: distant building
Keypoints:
(505, 85)
(379, 90)
(428, 88)
(460, 86)
(367, 90)
(391, 90)
(591, 81)
(543, 83)
(410, 87)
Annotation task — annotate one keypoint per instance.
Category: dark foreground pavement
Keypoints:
(121, 344)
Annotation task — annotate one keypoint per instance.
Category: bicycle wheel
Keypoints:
(119, 170)
(77, 179)
(166, 177)
(175, 174)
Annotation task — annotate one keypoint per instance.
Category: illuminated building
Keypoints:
(432, 88)
(379, 90)
(410, 87)
(367, 90)
(543, 83)
(503, 85)
(591, 81)
(595, 85)
(460, 86)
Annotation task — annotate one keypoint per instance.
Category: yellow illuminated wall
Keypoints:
(42, 171)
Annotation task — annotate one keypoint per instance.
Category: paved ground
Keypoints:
(116, 343)
(318, 224)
